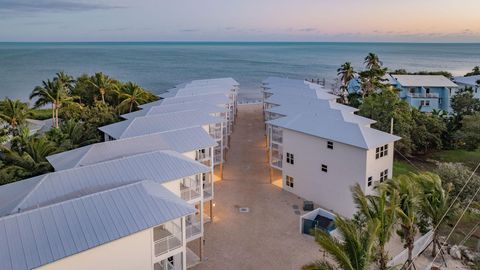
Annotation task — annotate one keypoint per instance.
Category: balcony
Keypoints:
(193, 226)
(167, 237)
(207, 187)
(190, 188)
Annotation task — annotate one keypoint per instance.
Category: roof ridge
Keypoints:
(77, 198)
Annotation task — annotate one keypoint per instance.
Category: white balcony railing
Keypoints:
(188, 193)
(167, 238)
(423, 95)
(193, 226)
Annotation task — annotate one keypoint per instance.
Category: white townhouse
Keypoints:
(170, 121)
(471, 82)
(323, 156)
(127, 213)
(194, 143)
(200, 106)
(218, 99)
(319, 149)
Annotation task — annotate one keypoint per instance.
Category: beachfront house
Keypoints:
(426, 92)
(170, 121)
(318, 149)
(136, 212)
(472, 82)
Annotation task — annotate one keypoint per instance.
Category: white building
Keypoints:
(320, 149)
(127, 213)
(170, 121)
(471, 82)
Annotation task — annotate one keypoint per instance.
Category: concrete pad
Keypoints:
(268, 236)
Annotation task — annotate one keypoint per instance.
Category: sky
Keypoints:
(240, 20)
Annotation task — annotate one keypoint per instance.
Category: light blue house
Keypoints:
(426, 92)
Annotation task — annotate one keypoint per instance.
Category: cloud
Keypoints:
(189, 30)
(50, 5)
(307, 29)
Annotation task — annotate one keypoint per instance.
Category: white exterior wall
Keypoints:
(173, 186)
(190, 154)
(131, 252)
(331, 190)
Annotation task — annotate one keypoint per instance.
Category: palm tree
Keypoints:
(435, 204)
(131, 95)
(103, 84)
(355, 250)
(372, 61)
(404, 188)
(382, 209)
(14, 112)
(346, 73)
(67, 80)
(54, 93)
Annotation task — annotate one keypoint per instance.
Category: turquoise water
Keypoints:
(159, 66)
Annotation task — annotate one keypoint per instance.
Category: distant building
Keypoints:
(471, 82)
(426, 92)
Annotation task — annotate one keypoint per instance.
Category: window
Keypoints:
(330, 145)
(381, 151)
(369, 181)
(324, 168)
(427, 90)
(290, 158)
(289, 181)
(425, 103)
(383, 175)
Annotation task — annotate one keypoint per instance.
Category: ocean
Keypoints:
(158, 66)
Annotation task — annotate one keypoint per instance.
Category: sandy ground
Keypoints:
(268, 236)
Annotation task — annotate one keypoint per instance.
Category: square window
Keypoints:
(383, 175)
(289, 181)
(369, 181)
(381, 151)
(290, 158)
(324, 168)
(330, 145)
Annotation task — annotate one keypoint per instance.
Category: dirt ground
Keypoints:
(268, 236)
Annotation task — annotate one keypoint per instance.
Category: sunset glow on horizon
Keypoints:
(248, 20)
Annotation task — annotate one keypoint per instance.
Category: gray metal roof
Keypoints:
(44, 235)
(182, 140)
(12, 194)
(201, 106)
(159, 123)
(331, 125)
(158, 166)
(468, 80)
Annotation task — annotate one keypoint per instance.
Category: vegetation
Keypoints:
(404, 72)
(422, 133)
(356, 250)
(77, 108)
(475, 71)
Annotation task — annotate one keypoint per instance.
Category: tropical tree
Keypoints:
(468, 136)
(131, 95)
(103, 84)
(13, 112)
(435, 204)
(475, 71)
(354, 252)
(67, 80)
(346, 74)
(404, 189)
(372, 61)
(54, 93)
(381, 209)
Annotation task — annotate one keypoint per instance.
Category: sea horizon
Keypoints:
(160, 65)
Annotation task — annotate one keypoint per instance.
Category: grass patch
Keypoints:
(402, 167)
(468, 158)
(41, 114)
